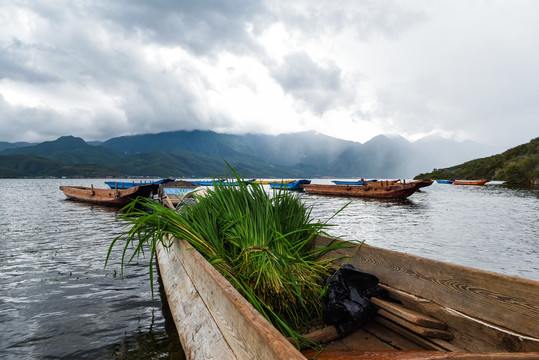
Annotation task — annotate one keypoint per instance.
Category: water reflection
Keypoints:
(58, 301)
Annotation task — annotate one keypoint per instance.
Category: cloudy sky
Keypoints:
(466, 70)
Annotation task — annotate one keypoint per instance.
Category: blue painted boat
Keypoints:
(295, 185)
(352, 182)
(220, 181)
(130, 184)
(445, 181)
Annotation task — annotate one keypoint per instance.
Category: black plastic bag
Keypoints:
(348, 306)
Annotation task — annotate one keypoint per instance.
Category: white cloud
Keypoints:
(467, 70)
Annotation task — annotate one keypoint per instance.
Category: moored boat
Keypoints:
(445, 181)
(423, 182)
(220, 181)
(294, 185)
(130, 184)
(353, 182)
(111, 197)
(445, 312)
(470, 182)
(391, 191)
(265, 182)
(172, 193)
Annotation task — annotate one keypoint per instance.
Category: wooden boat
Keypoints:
(172, 193)
(130, 184)
(445, 181)
(295, 185)
(353, 182)
(470, 182)
(112, 197)
(220, 181)
(392, 191)
(423, 182)
(265, 182)
(446, 312)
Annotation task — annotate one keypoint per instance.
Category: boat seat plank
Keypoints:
(420, 330)
(408, 314)
(422, 342)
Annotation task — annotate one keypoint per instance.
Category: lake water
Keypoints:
(57, 301)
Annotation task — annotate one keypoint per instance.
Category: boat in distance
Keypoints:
(130, 184)
(446, 311)
(294, 185)
(110, 197)
(445, 181)
(470, 182)
(265, 182)
(391, 191)
(353, 182)
(219, 181)
(423, 182)
(172, 193)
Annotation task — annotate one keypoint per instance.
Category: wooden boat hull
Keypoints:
(295, 185)
(265, 182)
(173, 192)
(377, 192)
(423, 183)
(130, 184)
(470, 182)
(352, 182)
(489, 316)
(108, 197)
(223, 182)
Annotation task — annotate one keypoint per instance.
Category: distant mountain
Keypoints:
(48, 147)
(202, 154)
(6, 145)
(519, 165)
(20, 166)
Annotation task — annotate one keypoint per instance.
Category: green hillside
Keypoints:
(519, 165)
(20, 166)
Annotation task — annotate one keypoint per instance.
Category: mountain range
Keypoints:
(191, 154)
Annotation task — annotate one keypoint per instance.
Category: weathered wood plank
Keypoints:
(409, 315)
(424, 343)
(199, 334)
(420, 330)
(504, 300)
(468, 334)
(245, 330)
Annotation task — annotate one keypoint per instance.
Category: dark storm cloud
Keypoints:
(21, 62)
(203, 27)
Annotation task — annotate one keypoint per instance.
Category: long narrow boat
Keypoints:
(130, 184)
(295, 185)
(353, 182)
(392, 191)
(172, 193)
(423, 182)
(111, 197)
(470, 182)
(445, 181)
(265, 182)
(220, 181)
(447, 312)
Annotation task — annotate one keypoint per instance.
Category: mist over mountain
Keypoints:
(304, 154)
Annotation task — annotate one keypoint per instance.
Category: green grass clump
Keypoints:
(262, 243)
